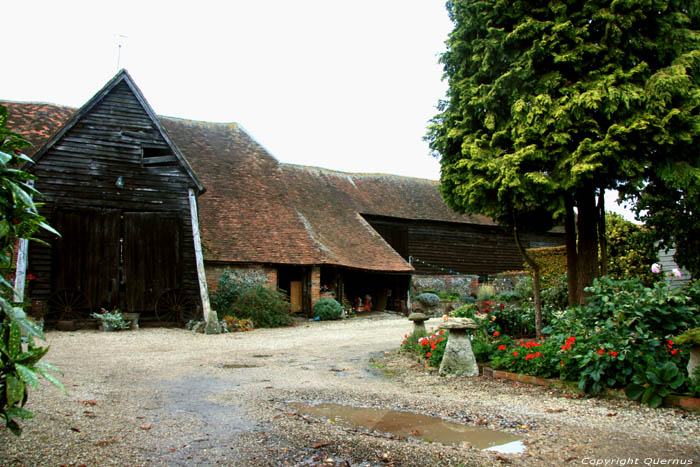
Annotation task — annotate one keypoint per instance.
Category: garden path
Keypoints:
(171, 397)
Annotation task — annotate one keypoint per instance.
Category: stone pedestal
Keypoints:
(459, 358)
(419, 320)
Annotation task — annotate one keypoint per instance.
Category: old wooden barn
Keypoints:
(123, 198)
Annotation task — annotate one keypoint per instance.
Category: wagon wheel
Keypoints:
(68, 304)
(174, 305)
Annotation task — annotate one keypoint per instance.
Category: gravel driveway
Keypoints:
(172, 397)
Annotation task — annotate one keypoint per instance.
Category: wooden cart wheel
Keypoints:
(67, 305)
(174, 305)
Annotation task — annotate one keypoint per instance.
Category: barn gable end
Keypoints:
(116, 188)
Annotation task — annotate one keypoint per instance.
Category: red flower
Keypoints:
(515, 352)
(486, 303)
(529, 356)
(500, 305)
(405, 335)
(612, 353)
(403, 342)
(561, 362)
(670, 342)
(428, 354)
(674, 352)
(496, 333)
(502, 347)
(537, 354)
(601, 351)
(31, 277)
(486, 310)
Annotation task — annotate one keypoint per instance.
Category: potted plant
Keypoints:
(134, 319)
(111, 320)
(691, 336)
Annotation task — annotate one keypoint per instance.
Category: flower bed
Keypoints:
(673, 400)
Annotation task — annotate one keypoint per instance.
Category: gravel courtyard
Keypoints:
(172, 397)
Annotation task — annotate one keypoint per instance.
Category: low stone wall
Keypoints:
(462, 285)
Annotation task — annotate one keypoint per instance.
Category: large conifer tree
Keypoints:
(552, 102)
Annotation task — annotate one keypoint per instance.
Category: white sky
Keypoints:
(345, 85)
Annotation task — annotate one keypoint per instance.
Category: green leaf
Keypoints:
(22, 195)
(14, 346)
(648, 393)
(27, 375)
(4, 228)
(15, 390)
(18, 412)
(634, 391)
(30, 357)
(655, 401)
(46, 226)
(652, 378)
(5, 158)
(51, 378)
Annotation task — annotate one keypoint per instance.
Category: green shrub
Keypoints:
(485, 292)
(265, 307)
(465, 311)
(524, 290)
(630, 250)
(552, 263)
(327, 309)
(229, 288)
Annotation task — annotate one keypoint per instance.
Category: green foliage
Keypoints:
(465, 311)
(549, 103)
(430, 346)
(691, 336)
(265, 307)
(20, 365)
(112, 319)
(552, 264)
(485, 292)
(631, 250)
(327, 309)
(524, 290)
(527, 357)
(229, 288)
(245, 298)
(653, 383)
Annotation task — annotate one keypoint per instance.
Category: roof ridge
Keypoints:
(358, 174)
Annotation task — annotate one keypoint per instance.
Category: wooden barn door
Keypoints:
(152, 259)
(85, 262)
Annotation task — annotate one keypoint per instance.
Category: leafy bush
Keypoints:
(266, 308)
(229, 288)
(485, 292)
(465, 311)
(428, 299)
(524, 289)
(552, 264)
(530, 357)
(556, 297)
(431, 346)
(19, 367)
(327, 309)
(630, 250)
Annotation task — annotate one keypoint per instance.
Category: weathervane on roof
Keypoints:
(119, 48)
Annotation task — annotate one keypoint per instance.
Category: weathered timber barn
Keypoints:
(121, 195)
(301, 229)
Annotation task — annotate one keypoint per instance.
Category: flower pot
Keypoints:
(107, 328)
(134, 319)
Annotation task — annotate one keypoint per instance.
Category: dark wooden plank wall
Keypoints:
(463, 248)
(115, 138)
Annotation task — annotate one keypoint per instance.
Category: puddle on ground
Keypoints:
(411, 425)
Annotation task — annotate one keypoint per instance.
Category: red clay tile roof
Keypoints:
(36, 121)
(256, 210)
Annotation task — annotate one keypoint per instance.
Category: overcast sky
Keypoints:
(346, 85)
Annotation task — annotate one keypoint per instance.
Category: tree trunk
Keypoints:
(602, 239)
(535, 281)
(571, 255)
(587, 258)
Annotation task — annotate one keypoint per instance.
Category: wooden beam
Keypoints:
(210, 318)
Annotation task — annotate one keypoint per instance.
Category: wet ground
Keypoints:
(315, 394)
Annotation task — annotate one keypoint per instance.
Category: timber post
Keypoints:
(210, 318)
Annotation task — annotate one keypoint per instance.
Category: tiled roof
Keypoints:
(256, 210)
(36, 121)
